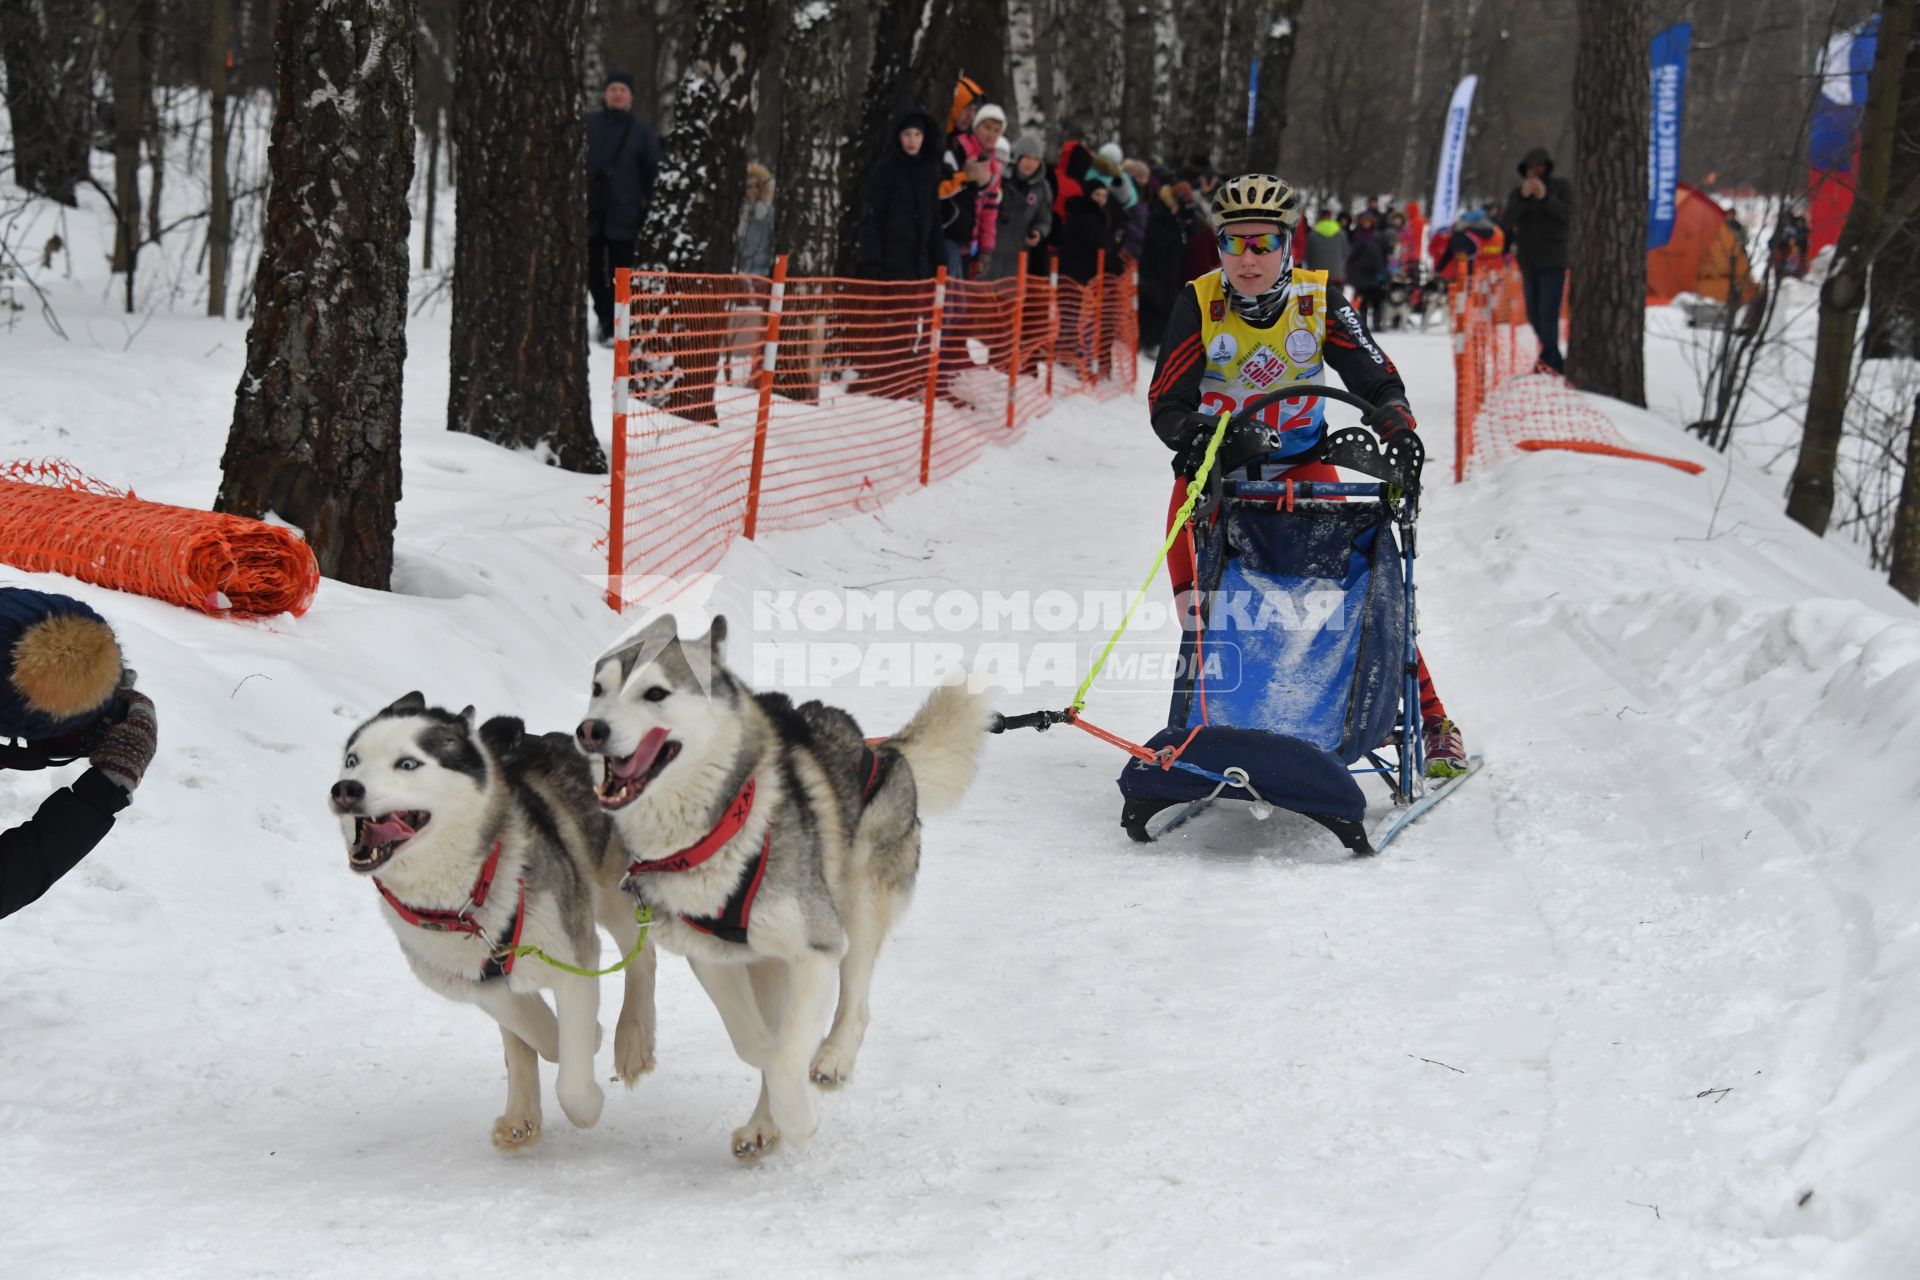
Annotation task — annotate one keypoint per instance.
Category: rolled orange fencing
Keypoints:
(56, 519)
(744, 404)
(1504, 403)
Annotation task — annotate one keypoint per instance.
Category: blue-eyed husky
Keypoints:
(774, 844)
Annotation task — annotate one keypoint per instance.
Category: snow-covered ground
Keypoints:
(1644, 1001)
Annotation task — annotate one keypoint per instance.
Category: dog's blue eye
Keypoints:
(654, 694)
(407, 762)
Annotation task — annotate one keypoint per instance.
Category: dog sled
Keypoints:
(1297, 675)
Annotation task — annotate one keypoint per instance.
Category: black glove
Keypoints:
(125, 749)
(1192, 450)
(1390, 420)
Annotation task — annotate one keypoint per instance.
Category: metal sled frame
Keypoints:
(1396, 491)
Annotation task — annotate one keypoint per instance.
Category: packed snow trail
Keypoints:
(1611, 1012)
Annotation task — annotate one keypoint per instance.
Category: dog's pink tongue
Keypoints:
(643, 755)
(387, 830)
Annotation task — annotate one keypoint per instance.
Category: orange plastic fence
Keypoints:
(56, 519)
(749, 403)
(1503, 404)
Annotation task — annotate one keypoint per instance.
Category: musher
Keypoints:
(1238, 331)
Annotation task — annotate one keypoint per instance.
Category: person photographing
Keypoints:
(66, 696)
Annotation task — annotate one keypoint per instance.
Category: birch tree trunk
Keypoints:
(815, 151)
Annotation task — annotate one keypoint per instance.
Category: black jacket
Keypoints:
(1366, 260)
(632, 177)
(900, 232)
(1350, 352)
(69, 824)
(1088, 232)
(1541, 229)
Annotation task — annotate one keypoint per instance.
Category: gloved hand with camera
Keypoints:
(125, 749)
(64, 693)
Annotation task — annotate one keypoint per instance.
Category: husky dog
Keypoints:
(773, 845)
(481, 841)
(1397, 302)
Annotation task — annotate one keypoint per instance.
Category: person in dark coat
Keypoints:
(623, 162)
(1089, 232)
(1539, 222)
(1367, 268)
(1171, 222)
(65, 696)
(900, 232)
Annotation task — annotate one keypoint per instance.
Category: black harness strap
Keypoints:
(731, 924)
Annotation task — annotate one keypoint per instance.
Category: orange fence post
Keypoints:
(1019, 319)
(933, 372)
(1097, 298)
(769, 358)
(1053, 316)
(1133, 345)
(617, 495)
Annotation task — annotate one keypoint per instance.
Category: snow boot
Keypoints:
(1446, 751)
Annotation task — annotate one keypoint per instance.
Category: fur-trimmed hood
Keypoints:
(63, 664)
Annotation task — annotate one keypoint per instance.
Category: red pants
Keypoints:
(1180, 568)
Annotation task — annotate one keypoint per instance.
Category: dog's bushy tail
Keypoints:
(942, 745)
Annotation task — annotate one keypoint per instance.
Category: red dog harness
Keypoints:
(500, 962)
(731, 924)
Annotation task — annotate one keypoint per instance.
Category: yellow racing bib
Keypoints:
(1244, 362)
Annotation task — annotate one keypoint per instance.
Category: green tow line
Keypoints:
(1194, 488)
(642, 916)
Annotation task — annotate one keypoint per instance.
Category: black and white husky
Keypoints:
(479, 841)
(773, 844)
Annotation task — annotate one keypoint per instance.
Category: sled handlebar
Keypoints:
(1303, 391)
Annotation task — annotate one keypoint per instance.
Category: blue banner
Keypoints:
(1669, 106)
(1453, 147)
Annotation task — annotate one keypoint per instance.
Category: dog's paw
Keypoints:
(632, 1051)
(755, 1140)
(582, 1101)
(516, 1133)
(832, 1066)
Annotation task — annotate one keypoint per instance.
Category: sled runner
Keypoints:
(1297, 673)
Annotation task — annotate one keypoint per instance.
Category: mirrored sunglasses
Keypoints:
(1269, 242)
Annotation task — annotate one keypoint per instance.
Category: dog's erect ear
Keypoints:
(407, 704)
(717, 639)
(501, 734)
(466, 717)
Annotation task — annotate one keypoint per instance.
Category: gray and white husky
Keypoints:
(773, 844)
(481, 840)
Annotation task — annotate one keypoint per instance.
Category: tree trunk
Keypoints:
(129, 126)
(433, 193)
(316, 421)
(518, 374)
(1810, 492)
(1610, 106)
(696, 205)
(49, 49)
(220, 206)
(1137, 101)
(815, 151)
(1201, 27)
(1276, 66)
(976, 42)
(1409, 154)
(1893, 304)
(1904, 573)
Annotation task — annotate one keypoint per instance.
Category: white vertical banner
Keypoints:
(1453, 148)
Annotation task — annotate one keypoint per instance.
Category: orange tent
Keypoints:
(1704, 256)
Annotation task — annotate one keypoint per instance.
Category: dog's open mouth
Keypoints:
(375, 840)
(627, 778)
